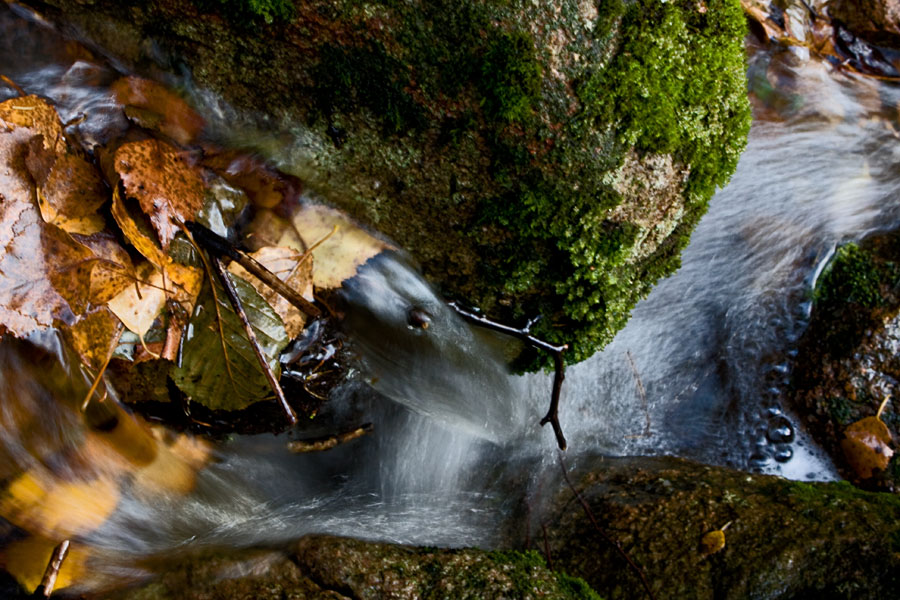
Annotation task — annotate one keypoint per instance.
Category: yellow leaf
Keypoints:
(39, 503)
(38, 117)
(866, 446)
(27, 559)
(340, 255)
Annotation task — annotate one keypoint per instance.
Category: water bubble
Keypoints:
(783, 453)
(780, 431)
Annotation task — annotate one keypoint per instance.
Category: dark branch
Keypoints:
(254, 342)
(219, 246)
(524, 334)
(615, 544)
(48, 581)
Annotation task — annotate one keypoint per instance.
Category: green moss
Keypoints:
(510, 77)
(244, 12)
(839, 410)
(524, 564)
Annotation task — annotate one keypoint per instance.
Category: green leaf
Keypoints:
(235, 382)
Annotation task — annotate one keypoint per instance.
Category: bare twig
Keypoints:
(615, 544)
(48, 581)
(13, 85)
(254, 342)
(329, 442)
(559, 372)
(219, 246)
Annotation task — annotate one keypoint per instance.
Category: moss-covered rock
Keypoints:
(784, 539)
(847, 361)
(537, 158)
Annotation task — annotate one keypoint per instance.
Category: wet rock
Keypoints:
(543, 158)
(783, 539)
(849, 357)
(876, 21)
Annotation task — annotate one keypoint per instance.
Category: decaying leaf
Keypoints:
(713, 541)
(138, 238)
(224, 373)
(38, 117)
(69, 194)
(344, 246)
(93, 336)
(164, 182)
(866, 446)
(154, 106)
(265, 186)
(291, 267)
(112, 271)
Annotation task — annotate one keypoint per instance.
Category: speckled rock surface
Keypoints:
(783, 539)
(537, 158)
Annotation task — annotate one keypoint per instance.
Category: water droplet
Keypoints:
(783, 453)
(780, 431)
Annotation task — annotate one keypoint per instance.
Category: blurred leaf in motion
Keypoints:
(26, 560)
(222, 372)
(154, 106)
(164, 182)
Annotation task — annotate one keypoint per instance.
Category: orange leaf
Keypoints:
(866, 446)
(154, 106)
(165, 184)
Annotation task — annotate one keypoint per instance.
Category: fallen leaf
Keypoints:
(113, 270)
(344, 247)
(265, 186)
(69, 194)
(27, 559)
(155, 106)
(132, 231)
(37, 116)
(163, 181)
(866, 446)
(93, 336)
(289, 266)
(229, 377)
(713, 541)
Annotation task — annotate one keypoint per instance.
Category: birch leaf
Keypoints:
(866, 446)
(222, 372)
(154, 106)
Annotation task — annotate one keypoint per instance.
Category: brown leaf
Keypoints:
(138, 305)
(37, 116)
(265, 186)
(167, 186)
(93, 335)
(142, 242)
(154, 106)
(45, 272)
(70, 193)
(866, 446)
(112, 271)
(291, 267)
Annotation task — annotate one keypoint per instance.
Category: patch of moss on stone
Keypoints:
(246, 12)
(510, 77)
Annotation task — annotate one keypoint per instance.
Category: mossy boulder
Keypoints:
(543, 158)
(782, 539)
(847, 361)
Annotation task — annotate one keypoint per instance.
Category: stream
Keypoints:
(701, 370)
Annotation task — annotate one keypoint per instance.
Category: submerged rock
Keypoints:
(537, 158)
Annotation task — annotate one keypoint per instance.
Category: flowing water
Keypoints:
(700, 371)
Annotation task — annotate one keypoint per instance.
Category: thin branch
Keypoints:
(219, 246)
(603, 532)
(559, 371)
(48, 581)
(254, 342)
(13, 85)
(329, 442)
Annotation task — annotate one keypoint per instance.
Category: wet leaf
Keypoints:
(154, 106)
(265, 186)
(866, 446)
(713, 541)
(291, 267)
(27, 559)
(138, 238)
(112, 271)
(343, 250)
(69, 194)
(174, 471)
(164, 182)
(138, 305)
(229, 378)
(93, 335)
(36, 116)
